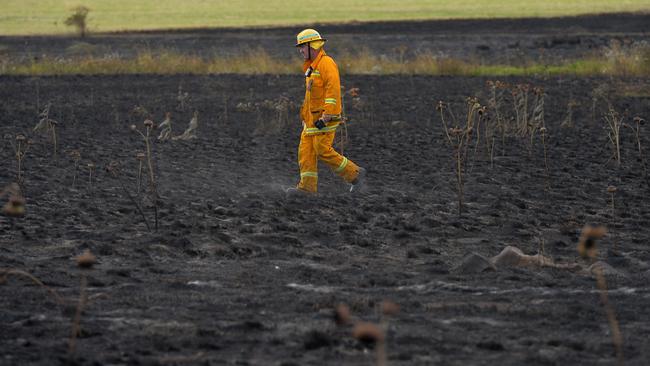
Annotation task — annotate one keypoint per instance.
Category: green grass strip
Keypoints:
(23, 17)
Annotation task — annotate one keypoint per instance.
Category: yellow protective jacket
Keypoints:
(322, 93)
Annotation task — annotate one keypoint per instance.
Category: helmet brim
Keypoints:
(313, 40)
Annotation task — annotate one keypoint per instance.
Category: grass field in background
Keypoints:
(24, 17)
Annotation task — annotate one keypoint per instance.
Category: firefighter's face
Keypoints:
(304, 50)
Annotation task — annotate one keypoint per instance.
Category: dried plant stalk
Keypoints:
(614, 121)
(547, 172)
(587, 248)
(76, 321)
(149, 125)
(76, 157)
(617, 337)
(611, 190)
(459, 139)
(21, 146)
(48, 125)
(638, 121)
(5, 273)
(113, 169)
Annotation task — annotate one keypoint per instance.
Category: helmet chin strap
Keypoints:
(309, 51)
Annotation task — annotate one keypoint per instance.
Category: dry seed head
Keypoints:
(20, 137)
(542, 130)
(140, 156)
(91, 166)
(596, 232)
(15, 206)
(440, 106)
(367, 332)
(112, 167)
(133, 127)
(389, 308)
(86, 259)
(148, 123)
(611, 189)
(17, 200)
(587, 245)
(12, 210)
(342, 314)
(638, 120)
(354, 92)
(455, 131)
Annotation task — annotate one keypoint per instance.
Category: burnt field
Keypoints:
(237, 273)
(500, 41)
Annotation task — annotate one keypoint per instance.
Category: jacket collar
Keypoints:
(313, 64)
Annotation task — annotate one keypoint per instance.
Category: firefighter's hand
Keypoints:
(320, 124)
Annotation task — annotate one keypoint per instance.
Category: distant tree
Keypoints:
(78, 19)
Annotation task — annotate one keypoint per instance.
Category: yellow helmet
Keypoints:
(310, 35)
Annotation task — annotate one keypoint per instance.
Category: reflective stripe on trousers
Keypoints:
(318, 146)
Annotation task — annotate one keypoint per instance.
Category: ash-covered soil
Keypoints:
(239, 274)
(506, 41)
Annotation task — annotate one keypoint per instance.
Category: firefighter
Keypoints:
(321, 115)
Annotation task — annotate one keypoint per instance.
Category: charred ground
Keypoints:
(239, 274)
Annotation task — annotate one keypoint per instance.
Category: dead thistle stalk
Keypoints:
(48, 125)
(91, 169)
(587, 248)
(638, 121)
(495, 103)
(149, 125)
(114, 169)
(546, 169)
(5, 273)
(459, 140)
(520, 103)
(84, 261)
(568, 120)
(614, 121)
(77, 316)
(140, 156)
(20, 148)
(537, 118)
(611, 190)
(76, 157)
(617, 337)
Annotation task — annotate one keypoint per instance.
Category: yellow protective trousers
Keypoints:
(318, 146)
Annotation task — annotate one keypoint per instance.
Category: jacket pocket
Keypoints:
(317, 89)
